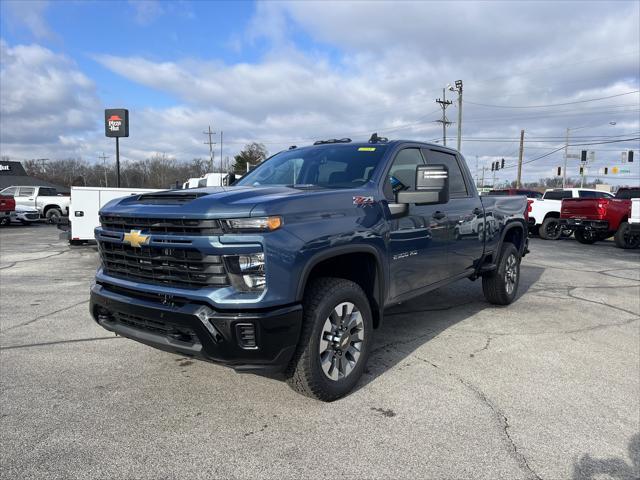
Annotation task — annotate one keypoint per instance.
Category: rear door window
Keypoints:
(457, 186)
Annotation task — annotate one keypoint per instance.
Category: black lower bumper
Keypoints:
(634, 228)
(577, 223)
(261, 342)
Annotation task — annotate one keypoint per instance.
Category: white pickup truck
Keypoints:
(544, 213)
(51, 204)
(634, 219)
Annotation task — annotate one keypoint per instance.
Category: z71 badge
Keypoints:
(362, 201)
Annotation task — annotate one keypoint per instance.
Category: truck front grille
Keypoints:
(169, 226)
(180, 267)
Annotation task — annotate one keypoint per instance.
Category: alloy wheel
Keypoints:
(341, 341)
(511, 274)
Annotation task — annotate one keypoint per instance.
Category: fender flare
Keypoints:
(378, 293)
(510, 225)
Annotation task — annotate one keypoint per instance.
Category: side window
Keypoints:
(45, 191)
(9, 191)
(557, 194)
(457, 187)
(26, 191)
(402, 175)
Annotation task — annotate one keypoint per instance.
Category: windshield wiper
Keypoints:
(305, 186)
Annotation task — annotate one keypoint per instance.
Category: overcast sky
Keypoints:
(289, 73)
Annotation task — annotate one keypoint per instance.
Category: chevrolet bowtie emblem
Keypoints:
(135, 238)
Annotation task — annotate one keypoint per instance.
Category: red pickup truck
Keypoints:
(7, 205)
(594, 219)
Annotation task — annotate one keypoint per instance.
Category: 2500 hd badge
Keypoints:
(289, 271)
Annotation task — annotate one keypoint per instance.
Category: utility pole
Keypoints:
(444, 103)
(566, 156)
(476, 170)
(484, 167)
(211, 144)
(520, 159)
(104, 157)
(43, 163)
(221, 165)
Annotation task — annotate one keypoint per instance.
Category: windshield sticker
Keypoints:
(362, 201)
(367, 149)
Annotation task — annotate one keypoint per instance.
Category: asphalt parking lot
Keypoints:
(547, 388)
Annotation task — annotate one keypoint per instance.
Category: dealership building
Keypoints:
(14, 174)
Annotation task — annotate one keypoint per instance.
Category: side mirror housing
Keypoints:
(230, 179)
(432, 186)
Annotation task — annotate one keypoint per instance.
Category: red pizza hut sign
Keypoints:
(116, 122)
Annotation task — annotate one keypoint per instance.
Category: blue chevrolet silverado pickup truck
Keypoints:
(289, 270)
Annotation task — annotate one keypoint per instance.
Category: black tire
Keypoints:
(53, 215)
(305, 373)
(624, 239)
(586, 237)
(550, 229)
(495, 284)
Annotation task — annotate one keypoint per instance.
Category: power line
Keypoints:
(552, 104)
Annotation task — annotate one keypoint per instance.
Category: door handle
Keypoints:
(439, 215)
(477, 211)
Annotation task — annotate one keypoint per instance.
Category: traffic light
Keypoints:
(559, 171)
(502, 163)
(493, 166)
(630, 156)
(606, 170)
(582, 169)
(583, 156)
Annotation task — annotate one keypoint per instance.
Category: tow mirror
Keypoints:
(432, 186)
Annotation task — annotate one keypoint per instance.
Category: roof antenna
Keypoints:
(376, 139)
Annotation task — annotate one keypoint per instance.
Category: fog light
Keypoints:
(247, 271)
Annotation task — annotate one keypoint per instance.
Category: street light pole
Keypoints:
(566, 153)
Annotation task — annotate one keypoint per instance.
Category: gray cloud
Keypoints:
(382, 69)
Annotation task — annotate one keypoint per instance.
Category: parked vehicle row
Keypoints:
(594, 219)
(7, 207)
(50, 204)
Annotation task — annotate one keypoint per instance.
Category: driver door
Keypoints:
(418, 240)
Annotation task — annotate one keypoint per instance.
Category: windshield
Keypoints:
(335, 166)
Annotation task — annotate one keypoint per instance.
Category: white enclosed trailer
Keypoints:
(85, 205)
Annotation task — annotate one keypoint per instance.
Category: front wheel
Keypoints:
(335, 340)
(501, 285)
(624, 238)
(586, 237)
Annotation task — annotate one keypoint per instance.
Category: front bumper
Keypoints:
(198, 331)
(577, 223)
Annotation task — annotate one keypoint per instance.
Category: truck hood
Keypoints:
(228, 202)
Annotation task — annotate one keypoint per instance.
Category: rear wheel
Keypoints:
(335, 340)
(624, 238)
(53, 215)
(550, 229)
(587, 237)
(501, 285)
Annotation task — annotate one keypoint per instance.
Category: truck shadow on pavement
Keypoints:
(617, 468)
(410, 325)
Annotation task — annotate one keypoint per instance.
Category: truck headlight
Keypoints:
(246, 271)
(253, 224)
